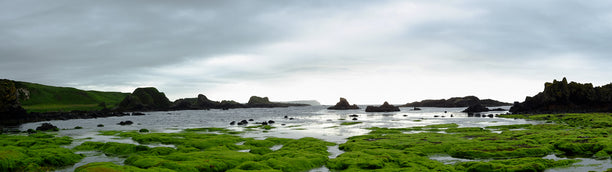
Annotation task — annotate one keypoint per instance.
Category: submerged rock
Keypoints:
(343, 104)
(386, 107)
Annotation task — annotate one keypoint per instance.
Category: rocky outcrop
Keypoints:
(457, 102)
(386, 107)
(476, 108)
(145, 99)
(264, 102)
(343, 104)
(11, 111)
(564, 97)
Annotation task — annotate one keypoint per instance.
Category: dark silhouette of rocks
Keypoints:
(343, 104)
(386, 107)
(564, 97)
(47, 127)
(264, 102)
(145, 99)
(11, 111)
(457, 102)
(126, 122)
(476, 108)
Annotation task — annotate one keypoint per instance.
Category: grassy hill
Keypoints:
(43, 98)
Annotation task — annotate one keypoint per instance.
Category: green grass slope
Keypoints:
(43, 98)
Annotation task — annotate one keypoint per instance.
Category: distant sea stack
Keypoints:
(457, 102)
(386, 107)
(145, 99)
(343, 105)
(564, 97)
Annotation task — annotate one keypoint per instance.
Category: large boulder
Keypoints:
(564, 97)
(386, 107)
(145, 99)
(343, 104)
(457, 102)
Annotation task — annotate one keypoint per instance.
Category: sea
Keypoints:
(290, 122)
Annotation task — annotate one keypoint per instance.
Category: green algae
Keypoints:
(36, 152)
(210, 152)
(350, 123)
(511, 150)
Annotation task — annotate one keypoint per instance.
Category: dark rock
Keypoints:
(564, 97)
(243, 122)
(145, 99)
(286, 116)
(343, 104)
(100, 125)
(353, 115)
(137, 114)
(264, 102)
(386, 107)
(416, 108)
(47, 127)
(233, 123)
(271, 122)
(436, 116)
(128, 122)
(355, 119)
(456, 102)
(264, 123)
(476, 108)
(251, 120)
(490, 115)
(11, 112)
(291, 118)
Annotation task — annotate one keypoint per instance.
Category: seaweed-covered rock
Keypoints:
(343, 104)
(386, 107)
(143, 99)
(564, 97)
(476, 108)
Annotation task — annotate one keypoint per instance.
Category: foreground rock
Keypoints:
(386, 107)
(343, 105)
(564, 97)
(457, 102)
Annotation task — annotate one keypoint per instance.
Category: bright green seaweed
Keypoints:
(35, 152)
(209, 152)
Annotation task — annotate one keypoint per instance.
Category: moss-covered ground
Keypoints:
(35, 152)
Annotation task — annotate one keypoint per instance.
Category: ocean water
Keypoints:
(310, 121)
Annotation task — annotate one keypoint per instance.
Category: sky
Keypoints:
(366, 51)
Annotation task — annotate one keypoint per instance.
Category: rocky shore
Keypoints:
(457, 102)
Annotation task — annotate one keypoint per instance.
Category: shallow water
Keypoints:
(312, 121)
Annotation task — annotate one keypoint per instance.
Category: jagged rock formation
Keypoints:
(10, 109)
(386, 107)
(564, 97)
(343, 104)
(145, 99)
(457, 102)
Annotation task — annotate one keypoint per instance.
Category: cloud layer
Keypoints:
(367, 51)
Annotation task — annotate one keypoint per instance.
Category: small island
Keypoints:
(343, 104)
(386, 107)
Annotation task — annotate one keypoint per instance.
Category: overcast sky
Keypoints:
(367, 51)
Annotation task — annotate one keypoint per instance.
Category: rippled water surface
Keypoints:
(312, 121)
